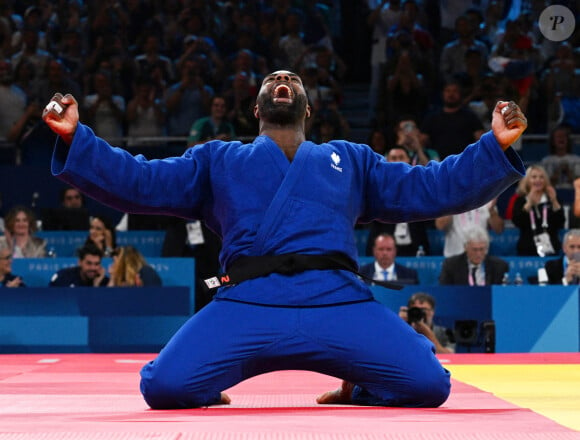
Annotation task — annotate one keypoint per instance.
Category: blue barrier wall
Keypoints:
(65, 243)
(429, 268)
(537, 320)
(37, 272)
(91, 320)
(527, 318)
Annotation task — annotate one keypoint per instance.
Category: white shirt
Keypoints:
(455, 235)
(379, 273)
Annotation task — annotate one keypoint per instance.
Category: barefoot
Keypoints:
(225, 399)
(342, 395)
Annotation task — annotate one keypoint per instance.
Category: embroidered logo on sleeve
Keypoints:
(335, 161)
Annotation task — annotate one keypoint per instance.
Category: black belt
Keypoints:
(247, 268)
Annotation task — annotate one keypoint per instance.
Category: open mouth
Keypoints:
(283, 93)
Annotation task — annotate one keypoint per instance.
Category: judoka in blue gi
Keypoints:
(282, 194)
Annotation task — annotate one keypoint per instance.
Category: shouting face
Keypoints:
(282, 99)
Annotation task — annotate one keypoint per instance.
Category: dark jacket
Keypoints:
(9, 277)
(71, 277)
(405, 275)
(521, 218)
(555, 270)
(454, 270)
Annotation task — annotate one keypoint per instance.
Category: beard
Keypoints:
(282, 114)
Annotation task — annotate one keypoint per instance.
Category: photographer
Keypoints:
(566, 269)
(419, 313)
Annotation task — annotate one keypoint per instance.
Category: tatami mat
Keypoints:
(89, 396)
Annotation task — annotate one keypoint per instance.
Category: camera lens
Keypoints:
(415, 314)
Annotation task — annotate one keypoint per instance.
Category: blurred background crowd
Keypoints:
(416, 80)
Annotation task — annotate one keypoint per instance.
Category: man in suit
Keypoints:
(474, 267)
(384, 267)
(566, 269)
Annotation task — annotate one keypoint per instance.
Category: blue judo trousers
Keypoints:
(260, 203)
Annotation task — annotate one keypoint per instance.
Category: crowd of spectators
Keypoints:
(146, 68)
(189, 71)
(154, 73)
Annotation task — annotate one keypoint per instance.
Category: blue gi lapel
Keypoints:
(275, 152)
(275, 212)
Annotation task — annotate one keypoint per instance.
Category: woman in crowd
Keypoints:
(130, 269)
(538, 214)
(102, 234)
(20, 227)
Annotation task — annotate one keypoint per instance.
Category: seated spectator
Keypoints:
(55, 79)
(292, 43)
(538, 215)
(474, 267)
(403, 92)
(13, 111)
(384, 268)
(455, 226)
(452, 59)
(20, 227)
(7, 278)
(152, 57)
(321, 95)
(453, 126)
(214, 126)
(559, 84)
(561, 164)
(327, 125)
(102, 234)
(88, 273)
(419, 313)
(130, 269)
(71, 215)
(517, 57)
(30, 50)
(104, 109)
(72, 198)
(407, 134)
(241, 98)
(145, 114)
(566, 269)
(377, 140)
(484, 97)
(187, 100)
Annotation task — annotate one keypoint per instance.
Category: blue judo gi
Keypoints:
(259, 203)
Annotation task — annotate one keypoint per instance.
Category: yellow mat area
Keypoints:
(552, 390)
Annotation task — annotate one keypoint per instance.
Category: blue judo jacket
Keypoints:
(260, 203)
